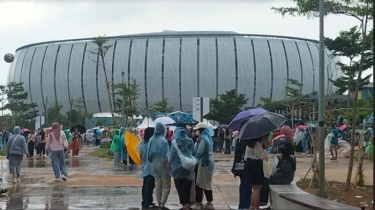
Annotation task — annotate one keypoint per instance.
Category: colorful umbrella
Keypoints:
(132, 142)
(241, 117)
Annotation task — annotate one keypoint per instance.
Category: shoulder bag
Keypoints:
(187, 163)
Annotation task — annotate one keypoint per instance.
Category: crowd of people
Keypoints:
(184, 155)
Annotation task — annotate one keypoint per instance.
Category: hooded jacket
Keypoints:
(115, 146)
(203, 152)
(158, 150)
(19, 146)
(124, 151)
(186, 146)
(146, 164)
(68, 135)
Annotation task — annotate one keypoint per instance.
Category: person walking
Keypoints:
(16, 147)
(227, 142)
(147, 172)
(205, 168)
(182, 177)
(158, 149)
(55, 146)
(334, 143)
(31, 143)
(76, 142)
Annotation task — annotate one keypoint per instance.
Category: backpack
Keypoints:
(239, 161)
(187, 163)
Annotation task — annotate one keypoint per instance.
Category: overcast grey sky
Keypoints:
(27, 22)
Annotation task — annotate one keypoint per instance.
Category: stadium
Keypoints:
(173, 65)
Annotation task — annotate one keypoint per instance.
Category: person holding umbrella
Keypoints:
(256, 131)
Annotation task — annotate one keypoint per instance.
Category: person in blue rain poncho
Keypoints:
(205, 169)
(182, 177)
(158, 150)
(124, 152)
(147, 172)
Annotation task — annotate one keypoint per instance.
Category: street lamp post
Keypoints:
(321, 129)
(46, 120)
(123, 100)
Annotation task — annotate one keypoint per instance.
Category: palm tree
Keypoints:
(102, 50)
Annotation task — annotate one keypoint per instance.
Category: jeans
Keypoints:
(147, 190)
(58, 163)
(117, 158)
(220, 145)
(1, 143)
(245, 193)
(227, 146)
(304, 145)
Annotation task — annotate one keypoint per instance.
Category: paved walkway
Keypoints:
(95, 183)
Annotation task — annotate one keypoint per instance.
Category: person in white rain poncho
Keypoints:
(182, 147)
(205, 168)
(158, 150)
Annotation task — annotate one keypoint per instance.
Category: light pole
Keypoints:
(46, 120)
(321, 130)
(123, 100)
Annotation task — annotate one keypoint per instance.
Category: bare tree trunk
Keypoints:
(349, 87)
(352, 139)
(107, 83)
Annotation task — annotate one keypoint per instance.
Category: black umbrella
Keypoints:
(222, 126)
(81, 129)
(261, 125)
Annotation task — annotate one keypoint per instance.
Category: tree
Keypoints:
(270, 105)
(126, 102)
(73, 116)
(224, 107)
(16, 95)
(54, 115)
(361, 10)
(78, 106)
(348, 44)
(162, 106)
(101, 51)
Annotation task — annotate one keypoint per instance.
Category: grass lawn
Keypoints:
(101, 152)
(3, 152)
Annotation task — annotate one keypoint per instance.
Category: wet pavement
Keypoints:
(95, 183)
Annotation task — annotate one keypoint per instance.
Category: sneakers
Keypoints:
(18, 180)
(196, 206)
(14, 180)
(57, 180)
(208, 206)
(64, 178)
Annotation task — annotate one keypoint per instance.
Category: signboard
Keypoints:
(39, 121)
(201, 107)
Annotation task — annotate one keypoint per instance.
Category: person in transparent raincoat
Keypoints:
(147, 172)
(158, 150)
(115, 147)
(205, 169)
(182, 178)
(124, 152)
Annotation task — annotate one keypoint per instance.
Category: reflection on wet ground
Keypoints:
(73, 198)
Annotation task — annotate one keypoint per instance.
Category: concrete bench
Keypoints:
(284, 197)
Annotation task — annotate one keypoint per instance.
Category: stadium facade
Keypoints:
(173, 65)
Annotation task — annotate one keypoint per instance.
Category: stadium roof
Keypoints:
(171, 34)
